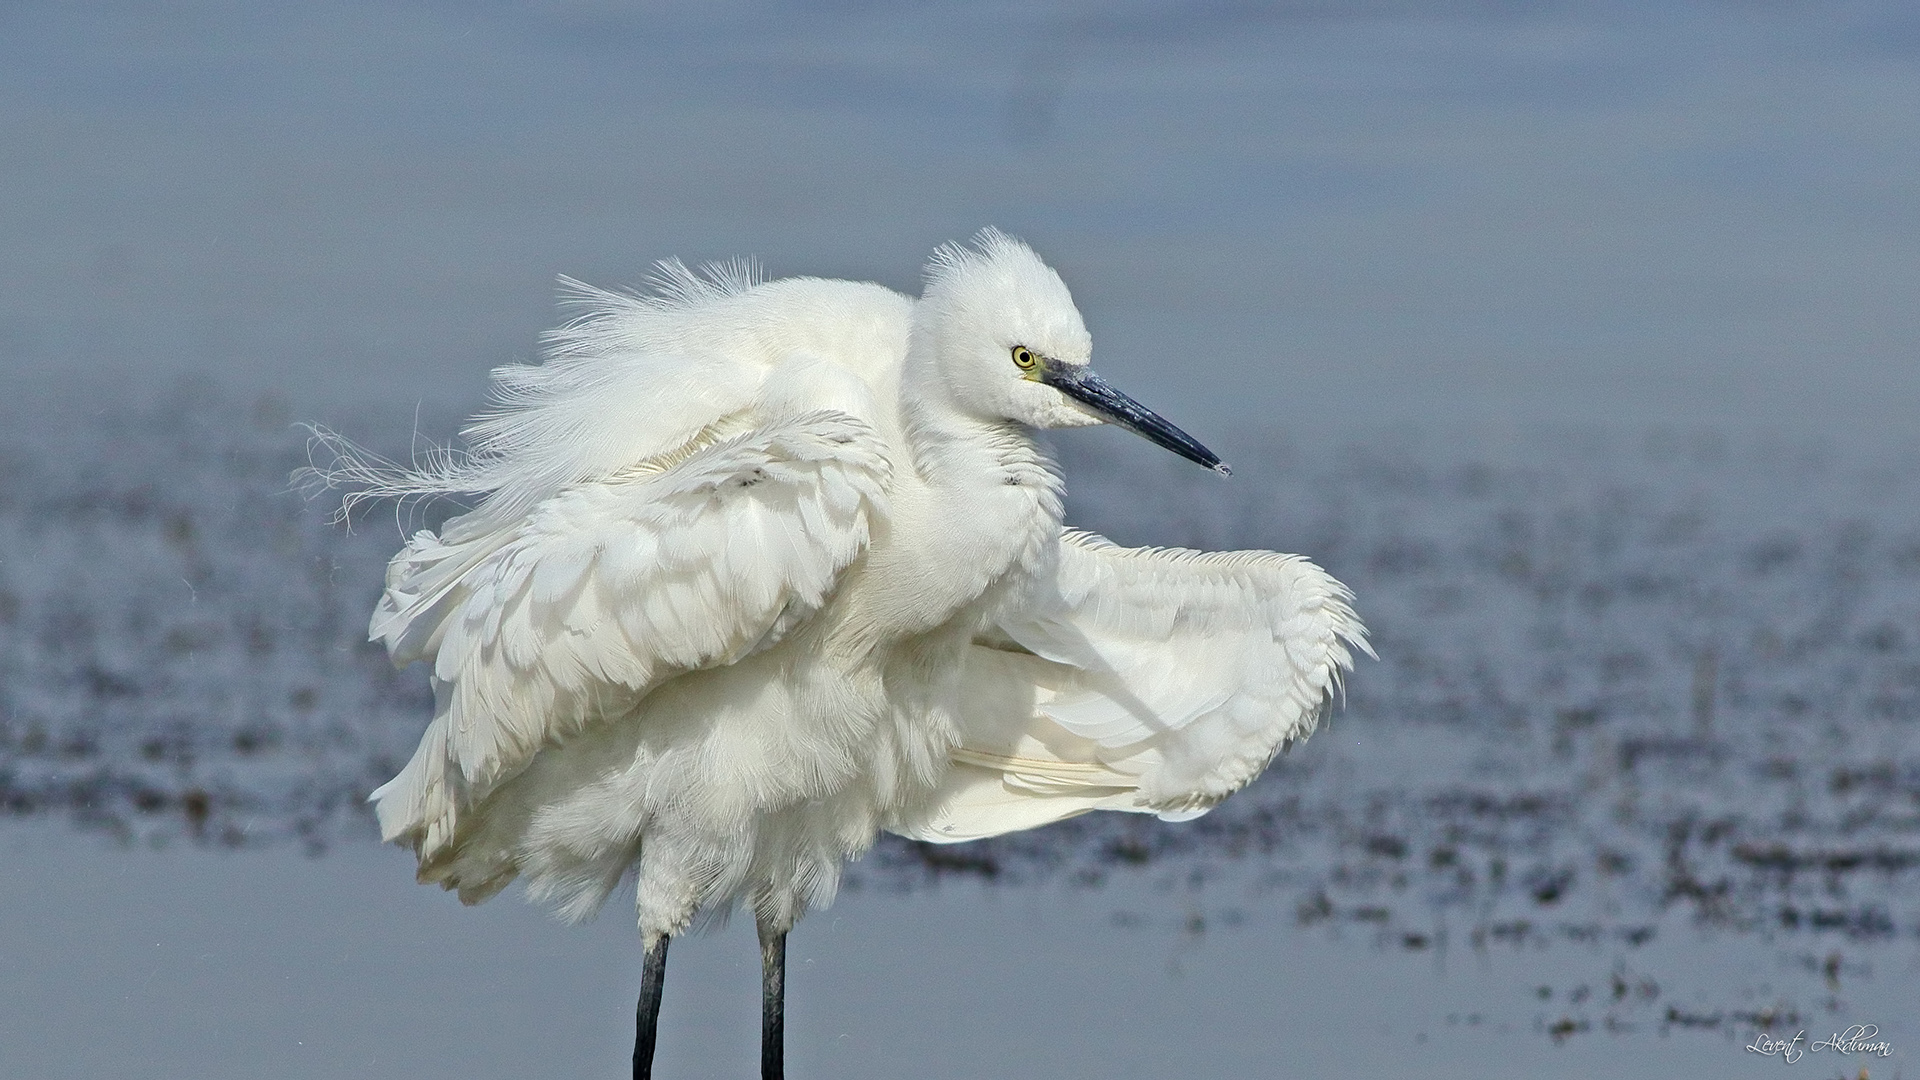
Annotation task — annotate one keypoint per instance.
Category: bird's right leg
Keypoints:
(773, 1002)
(646, 1018)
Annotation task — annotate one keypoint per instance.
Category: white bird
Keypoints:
(761, 569)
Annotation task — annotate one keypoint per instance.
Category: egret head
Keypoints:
(1006, 343)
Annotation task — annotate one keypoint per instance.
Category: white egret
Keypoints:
(761, 569)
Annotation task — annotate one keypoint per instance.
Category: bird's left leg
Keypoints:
(773, 1000)
(646, 1018)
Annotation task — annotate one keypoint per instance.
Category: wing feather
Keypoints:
(574, 612)
(1144, 679)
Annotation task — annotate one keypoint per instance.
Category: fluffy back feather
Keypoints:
(632, 377)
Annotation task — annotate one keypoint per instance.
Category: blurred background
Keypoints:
(1321, 215)
(1578, 338)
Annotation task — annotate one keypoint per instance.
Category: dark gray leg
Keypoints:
(646, 1018)
(773, 1004)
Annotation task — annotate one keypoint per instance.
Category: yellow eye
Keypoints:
(1024, 359)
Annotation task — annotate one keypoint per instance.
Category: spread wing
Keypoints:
(570, 614)
(1146, 679)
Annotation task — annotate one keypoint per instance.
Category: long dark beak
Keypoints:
(1097, 394)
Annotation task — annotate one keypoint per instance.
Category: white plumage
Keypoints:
(1146, 679)
(760, 569)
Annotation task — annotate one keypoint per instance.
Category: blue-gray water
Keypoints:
(1578, 339)
(231, 965)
